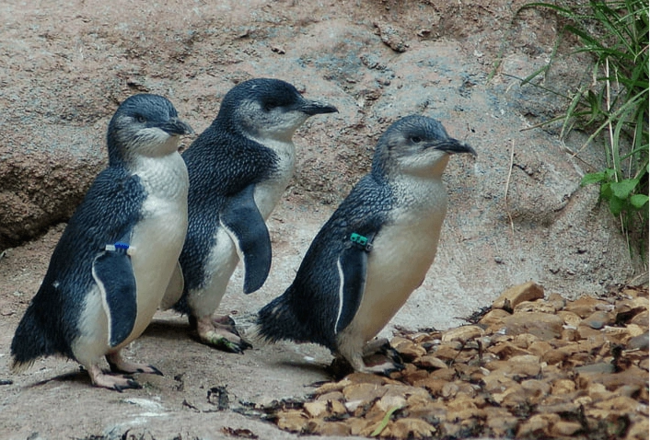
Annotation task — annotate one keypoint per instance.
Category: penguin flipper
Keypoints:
(246, 227)
(113, 273)
(352, 267)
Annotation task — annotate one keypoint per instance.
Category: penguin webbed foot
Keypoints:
(115, 382)
(119, 365)
(220, 332)
(376, 357)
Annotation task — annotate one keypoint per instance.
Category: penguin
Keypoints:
(373, 252)
(238, 169)
(113, 262)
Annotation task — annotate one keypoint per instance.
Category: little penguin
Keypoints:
(111, 267)
(373, 252)
(238, 169)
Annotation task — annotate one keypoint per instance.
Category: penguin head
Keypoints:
(266, 108)
(416, 145)
(144, 125)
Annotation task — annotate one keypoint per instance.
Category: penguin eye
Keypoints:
(141, 119)
(416, 139)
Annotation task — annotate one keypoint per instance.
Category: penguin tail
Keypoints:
(18, 367)
(30, 342)
(276, 322)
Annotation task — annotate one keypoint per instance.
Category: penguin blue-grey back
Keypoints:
(238, 169)
(88, 305)
(375, 249)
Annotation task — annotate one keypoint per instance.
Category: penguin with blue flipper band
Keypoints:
(115, 258)
(113, 273)
(373, 252)
(238, 168)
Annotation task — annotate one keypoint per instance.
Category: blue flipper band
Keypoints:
(130, 250)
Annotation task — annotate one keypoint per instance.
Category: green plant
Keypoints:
(615, 105)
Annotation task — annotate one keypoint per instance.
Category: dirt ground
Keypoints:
(55, 82)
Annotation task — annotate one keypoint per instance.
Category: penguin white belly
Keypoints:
(268, 193)
(158, 238)
(92, 342)
(401, 256)
(220, 265)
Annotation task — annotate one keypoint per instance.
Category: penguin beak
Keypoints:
(176, 127)
(452, 146)
(314, 108)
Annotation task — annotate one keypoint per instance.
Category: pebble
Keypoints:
(553, 358)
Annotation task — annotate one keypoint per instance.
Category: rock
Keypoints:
(430, 362)
(640, 319)
(584, 306)
(316, 408)
(473, 369)
(494, 318)
(537, 426)
(390, 401)
(564, 386)
(563, 428)
(543, 325)
(506, 350)
(42, 185)
(446, 352)
(434, 386)
(390, 37)
(500, 421)
(333, 395)
(463, 334)
(363, 391)
(632, 376)
(540, 348)
(292, 420)
(639, 430)
(557, 301)
(639, 342)
(515, 295)
(412, 376)
(407, 348)
(535, 306)
(522, 366)
(535, 390)
(570, 318)
(598, 320)
(411, 428)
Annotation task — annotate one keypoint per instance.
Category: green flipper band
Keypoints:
(361, 241)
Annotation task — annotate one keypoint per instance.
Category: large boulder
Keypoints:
(516, 213)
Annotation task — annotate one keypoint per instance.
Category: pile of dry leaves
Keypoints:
(528, 368)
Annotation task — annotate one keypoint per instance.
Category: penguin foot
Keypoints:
(378, 345)
(114, 382)
(376, 357)
(119, 365)
(220, 333)
(379, 357)
(382, 363)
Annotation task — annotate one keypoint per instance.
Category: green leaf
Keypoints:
(591, 178)
(624, 188)
(616, 205)
(384, 421)
(606, 191)
(639, 200)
